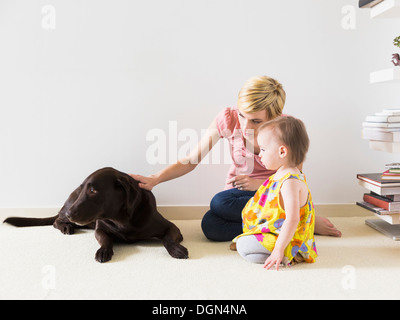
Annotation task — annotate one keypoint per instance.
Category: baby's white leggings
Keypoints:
(252, 250)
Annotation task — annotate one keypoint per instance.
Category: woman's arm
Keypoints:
(184, 165)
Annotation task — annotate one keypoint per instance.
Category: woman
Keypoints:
(261, 99)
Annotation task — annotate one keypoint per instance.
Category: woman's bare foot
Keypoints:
(324, 227)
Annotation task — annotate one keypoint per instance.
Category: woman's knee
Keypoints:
(218, 202)
(230, 203)
(217, 229)
(208, 226)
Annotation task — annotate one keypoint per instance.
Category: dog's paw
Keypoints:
(66, 228)
(104, 255)
(178, 251)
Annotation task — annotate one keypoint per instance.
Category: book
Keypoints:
(375, 209)
(384, 198)
(391, 135)
(391, 111)
(394, 197)
(394, 165)
(383, 191)
(381, 202)
(381, 117)
(376, 179)
(391, 176)
(384, 146)
(391, 197)
(368, 3)
(367, 124)
(382, 129)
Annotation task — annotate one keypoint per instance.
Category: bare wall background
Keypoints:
(82, 83)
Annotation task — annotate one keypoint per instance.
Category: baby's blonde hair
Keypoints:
(292, 133)
(262, 93)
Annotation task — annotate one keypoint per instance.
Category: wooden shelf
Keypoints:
(388, 9)
(387, 75)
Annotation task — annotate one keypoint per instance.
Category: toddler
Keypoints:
(278, 222)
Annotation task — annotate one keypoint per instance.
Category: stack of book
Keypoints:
(384, 196)
(383, 130)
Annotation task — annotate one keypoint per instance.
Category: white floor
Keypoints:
(41, 263)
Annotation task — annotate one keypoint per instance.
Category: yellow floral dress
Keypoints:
(263, 217)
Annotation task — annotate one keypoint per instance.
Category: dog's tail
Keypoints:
(30, 222)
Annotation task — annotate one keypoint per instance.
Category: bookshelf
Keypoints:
(389, 230)
(388, 225)
(388, 9)
(386, 75)
(390, 147)
(383, 201)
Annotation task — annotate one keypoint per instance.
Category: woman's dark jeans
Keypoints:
(224, 220)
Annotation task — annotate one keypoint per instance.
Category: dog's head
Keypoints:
(106, 193)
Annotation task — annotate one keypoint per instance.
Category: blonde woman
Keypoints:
(261, 99)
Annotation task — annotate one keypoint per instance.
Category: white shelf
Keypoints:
(392, 231)
(388, 9)
(388, 225)
(385, 146)
(386, 75)
(393, 219)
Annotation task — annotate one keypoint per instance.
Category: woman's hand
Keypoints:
(146, 183)
(245, 183)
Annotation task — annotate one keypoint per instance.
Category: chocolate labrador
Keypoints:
(112, 203)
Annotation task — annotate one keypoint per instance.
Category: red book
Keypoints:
(381, 202)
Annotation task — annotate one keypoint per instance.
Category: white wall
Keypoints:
(86, 94)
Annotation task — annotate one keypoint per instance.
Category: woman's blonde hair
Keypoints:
(262, 93)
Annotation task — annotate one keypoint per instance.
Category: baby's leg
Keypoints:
(251, 250)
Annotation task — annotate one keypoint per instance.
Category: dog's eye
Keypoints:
(93, 190)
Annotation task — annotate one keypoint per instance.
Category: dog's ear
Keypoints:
(132, 191)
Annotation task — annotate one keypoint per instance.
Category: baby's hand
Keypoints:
(275, 258)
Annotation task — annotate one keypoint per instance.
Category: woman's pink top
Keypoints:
(245, 162)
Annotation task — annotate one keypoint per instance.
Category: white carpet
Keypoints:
(41, 263)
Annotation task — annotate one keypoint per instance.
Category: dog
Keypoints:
(112, 203)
